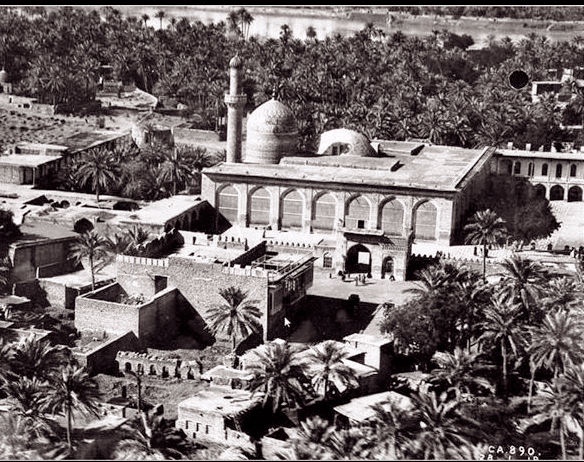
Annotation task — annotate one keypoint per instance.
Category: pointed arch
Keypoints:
(324, 212)
(557, 193)
(260, 201)
(575, 194)
(392, 217)
(425, 220)
(227, 201)
(357, 212)
(292, 210)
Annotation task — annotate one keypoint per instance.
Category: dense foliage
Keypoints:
(387, 86)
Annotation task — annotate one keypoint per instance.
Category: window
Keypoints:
(358, 211)
(530, 169)
(559, 171)
(573, 170)
(327, 260)
(544, 169)
(517, 168)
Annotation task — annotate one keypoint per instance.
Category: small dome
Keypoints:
(3, 76)
(272, 117)
(344, 142)
(236, 62)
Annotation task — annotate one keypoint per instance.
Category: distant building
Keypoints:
(557, 176)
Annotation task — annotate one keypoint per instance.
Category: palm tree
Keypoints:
(442, 427)
(238, 316)
(485, 228)
(572, 384)
(500, 328)
(327, 369)
(98, 170)
(556, 344)
(279, 375)
(93, 246)
(27, 394)
(459, 370)
(524, 280)
(160, 14)
(174, 170)
(72, 389)
(34, 358)
(145, 19)
(392, 427)
(562, 293)
(556, 404)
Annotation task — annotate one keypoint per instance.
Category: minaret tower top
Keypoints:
(235, 101)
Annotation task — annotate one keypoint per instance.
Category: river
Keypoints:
(268, 21)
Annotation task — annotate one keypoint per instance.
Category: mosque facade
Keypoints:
(368, 200)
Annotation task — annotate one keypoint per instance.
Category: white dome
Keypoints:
(350, 142)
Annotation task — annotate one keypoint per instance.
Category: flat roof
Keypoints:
(27, 160)
(33, 145)
(441, 168)
(220, 401)
(85, 140)
(575, 156)
(161, 211)
(36, 231)
(360, 409)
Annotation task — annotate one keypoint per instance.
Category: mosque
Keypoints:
(368, 201)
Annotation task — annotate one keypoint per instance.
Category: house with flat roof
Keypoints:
(557, 176)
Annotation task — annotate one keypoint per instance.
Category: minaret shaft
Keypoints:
(235, 102)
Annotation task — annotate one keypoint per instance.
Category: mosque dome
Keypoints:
(272, 133)
(3, 76)
(345, 142)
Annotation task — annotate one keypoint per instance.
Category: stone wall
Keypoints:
(27, 258)
(152, 365)
(94, 313)
(102, 359)
(137, 275)
(149, 321)
(208, 426)
(200, 284)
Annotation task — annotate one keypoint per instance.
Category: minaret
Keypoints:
(235, 101)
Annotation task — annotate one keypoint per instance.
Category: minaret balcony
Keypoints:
(235, 100)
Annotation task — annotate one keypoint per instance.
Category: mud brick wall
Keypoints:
(103, 358)
(158, 318)
(97, 314)
(200, 284)
(58, 294)
(137, 275)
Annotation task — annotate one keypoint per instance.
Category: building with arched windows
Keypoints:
(558, 176)
(368, 200)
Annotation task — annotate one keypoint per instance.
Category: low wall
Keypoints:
(152, 365)
(102, 359)
(93, 313)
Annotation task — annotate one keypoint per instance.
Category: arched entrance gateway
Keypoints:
(575, 194)
(557, 193)
(358, 260)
